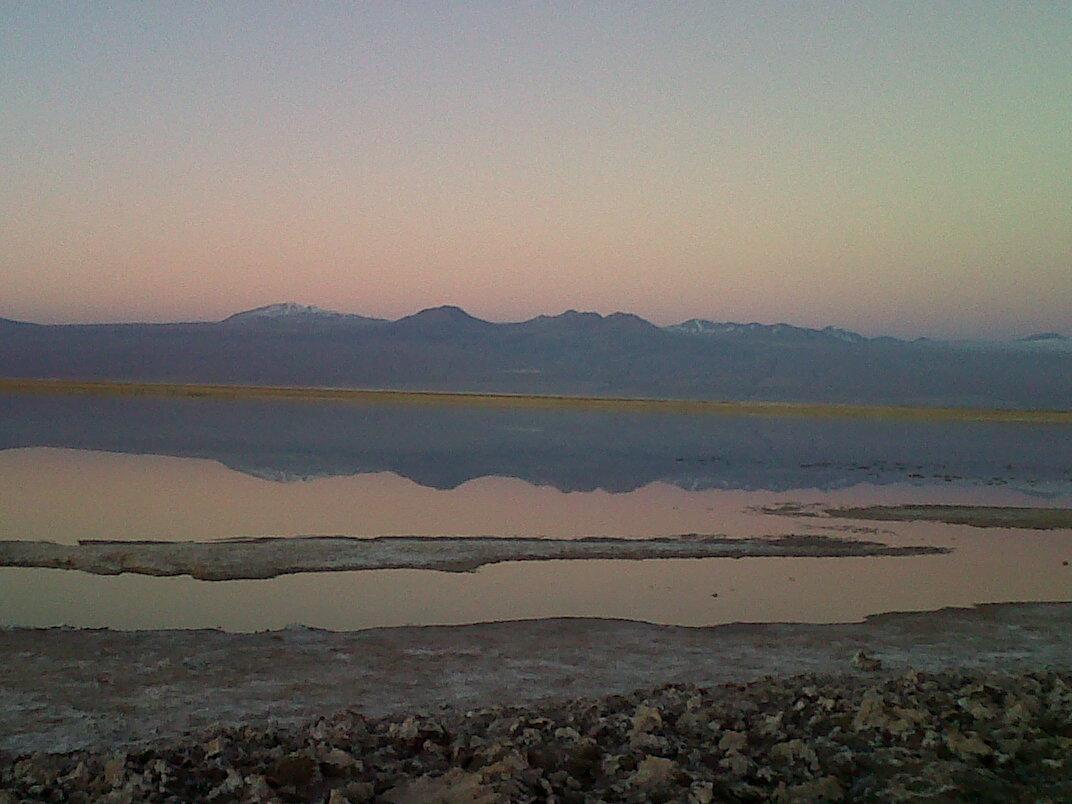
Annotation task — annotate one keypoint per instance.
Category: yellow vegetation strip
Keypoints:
(370, 396)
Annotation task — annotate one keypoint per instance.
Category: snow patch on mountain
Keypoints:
(700, 326)
(284, 310)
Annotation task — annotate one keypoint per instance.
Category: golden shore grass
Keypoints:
(372, 396)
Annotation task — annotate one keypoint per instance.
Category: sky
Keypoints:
(897, 168)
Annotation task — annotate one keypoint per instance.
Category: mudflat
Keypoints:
(979, 516)
(235, 559)
(65, 689)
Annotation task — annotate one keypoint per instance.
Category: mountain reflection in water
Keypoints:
(442, 447)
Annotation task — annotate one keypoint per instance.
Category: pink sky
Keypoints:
(890, 170)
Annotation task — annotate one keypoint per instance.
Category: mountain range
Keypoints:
(445, 348)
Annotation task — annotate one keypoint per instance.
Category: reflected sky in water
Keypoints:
(77, 468)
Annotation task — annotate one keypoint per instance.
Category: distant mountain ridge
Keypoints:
(700, 326)
(574, 353)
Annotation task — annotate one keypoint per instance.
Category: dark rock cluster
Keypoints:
(933, 737)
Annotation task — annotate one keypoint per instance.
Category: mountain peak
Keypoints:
(283, 310)
(444, 312)
(441, 321)
(447, 310)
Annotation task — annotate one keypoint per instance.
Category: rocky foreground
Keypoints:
(916, 736)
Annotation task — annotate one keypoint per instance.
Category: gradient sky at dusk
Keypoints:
(892, 167)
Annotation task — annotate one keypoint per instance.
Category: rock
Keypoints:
(454, 787)
(736, 763)
(966, 747)
(733, 741)
(227, 787)
(338, 798)
(115, 770)
(406, 730)
(747, 792)
(360, 792)
(979, 710)
(827, 788)
(258, 790)
(567, 734)
(78, 776)
(787, 753)
(653, 772)
(38, 770)
(647, 742)
(701, 793)
(772, 725)
(295, 770)
(508, 766)
(1020, 710)
(871, 713)
(338, 760)
(586, 759)
(646, 719)
(867, 664)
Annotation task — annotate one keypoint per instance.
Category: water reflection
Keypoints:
(65, 495)
(77, 468)
(990, 566)
(444, 447)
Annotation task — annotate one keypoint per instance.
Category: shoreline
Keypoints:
(69, 689)
(948, 735)
(620, 404)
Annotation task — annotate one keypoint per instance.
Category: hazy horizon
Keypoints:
(889, 169)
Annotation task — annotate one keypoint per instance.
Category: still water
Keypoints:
(171, 469)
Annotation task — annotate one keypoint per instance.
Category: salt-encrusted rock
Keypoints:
(867, 664)
(771, 726)
(701, 793)
(646, 719)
